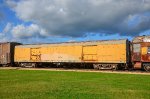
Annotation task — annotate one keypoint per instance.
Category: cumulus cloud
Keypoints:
(75, 18)
(22, 31)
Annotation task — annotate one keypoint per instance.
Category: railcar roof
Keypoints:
(7, 42)
(141, 39)
(120, 41)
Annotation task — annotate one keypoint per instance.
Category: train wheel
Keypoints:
(114, 67)
(22, 65)
(147, 68)
(95, 66)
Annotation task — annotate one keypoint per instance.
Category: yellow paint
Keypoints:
(144, 50)
(90, 49)
(35, 55)
(90, 53)
(22, 54)
(104, 53)
(61, 53)
(112, 53)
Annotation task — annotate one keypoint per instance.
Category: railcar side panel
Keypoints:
(7, 53)
(145, 48)
(112, 53)
(90, 53)
(86, 52)
(22, 54)
(61, 54)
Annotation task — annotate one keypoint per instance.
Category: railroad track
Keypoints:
(78, 70)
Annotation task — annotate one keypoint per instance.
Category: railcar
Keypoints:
(110, 54)
(7, 53)
(141, 52)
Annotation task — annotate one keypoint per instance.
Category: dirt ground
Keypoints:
(77, 70)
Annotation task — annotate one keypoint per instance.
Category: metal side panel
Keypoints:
(5, 53)
(90, 53)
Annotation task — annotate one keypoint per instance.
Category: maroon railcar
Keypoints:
(141, 52)
(7, 53)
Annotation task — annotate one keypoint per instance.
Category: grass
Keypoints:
(21, 84)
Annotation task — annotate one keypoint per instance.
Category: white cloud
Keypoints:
(22, 31)
(76, 17)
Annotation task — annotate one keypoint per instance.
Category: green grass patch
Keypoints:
(24, 84)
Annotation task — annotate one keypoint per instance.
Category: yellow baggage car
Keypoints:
(110, 54)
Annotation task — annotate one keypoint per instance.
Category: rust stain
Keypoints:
(136, 57)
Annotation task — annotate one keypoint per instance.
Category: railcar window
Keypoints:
(149, 50)
(136, 48)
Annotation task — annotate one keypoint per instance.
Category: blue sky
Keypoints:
(8, 16)
(47, 21)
